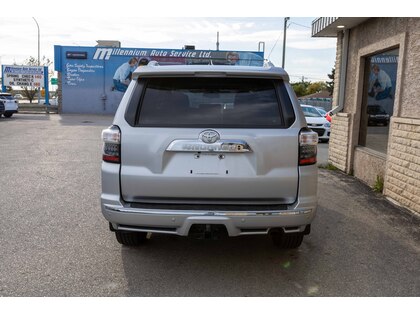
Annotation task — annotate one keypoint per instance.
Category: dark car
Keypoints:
(1, 108)
(377, 115)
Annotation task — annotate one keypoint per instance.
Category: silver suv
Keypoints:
(209, 151)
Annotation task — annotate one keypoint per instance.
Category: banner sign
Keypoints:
(184, 57)
(94, 79)
(383, 80)
(23, 76)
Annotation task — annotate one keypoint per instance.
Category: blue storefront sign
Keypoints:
(93, 79)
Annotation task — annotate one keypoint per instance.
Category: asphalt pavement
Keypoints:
(55, 242)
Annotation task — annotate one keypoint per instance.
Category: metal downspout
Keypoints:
(343, 73)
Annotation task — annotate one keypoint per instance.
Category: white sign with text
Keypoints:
(23, 76)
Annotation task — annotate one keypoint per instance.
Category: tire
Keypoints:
(8, 115)
(287, 241)
(130, 238)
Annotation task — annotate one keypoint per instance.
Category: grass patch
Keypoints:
(328, 166)
(379, 184)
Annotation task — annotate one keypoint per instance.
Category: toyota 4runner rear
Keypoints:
(207, 151)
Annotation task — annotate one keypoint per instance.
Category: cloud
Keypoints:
(304, 54)
(318, 43)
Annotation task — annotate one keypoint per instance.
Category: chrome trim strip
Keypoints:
(222, 146)
(207, 213)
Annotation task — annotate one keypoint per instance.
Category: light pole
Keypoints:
(38, 38)
(38, 52)
(284, 41)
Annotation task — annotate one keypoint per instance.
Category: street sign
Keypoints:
(54, 81)
(23, 76)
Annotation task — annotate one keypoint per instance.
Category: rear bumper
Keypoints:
(245, 221)
(179, 222)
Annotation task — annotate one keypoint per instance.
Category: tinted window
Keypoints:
(375, 110)
(6, 97)
(207, 102)
(321, 111)
(310, 112)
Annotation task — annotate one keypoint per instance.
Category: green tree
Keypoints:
(305, 87)
(330, 84)
(29, 91)
(316, 87)
(300, 88)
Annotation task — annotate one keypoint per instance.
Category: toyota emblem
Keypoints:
(209, 136)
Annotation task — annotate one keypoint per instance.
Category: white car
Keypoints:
(10, 104)
(317, 122)
(52, 101)
(321, 110)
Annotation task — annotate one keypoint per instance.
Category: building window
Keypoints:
(378, 100)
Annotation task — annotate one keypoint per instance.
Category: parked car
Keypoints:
(317, 122)
(18, 96)
(377, 115)
(329, 116)
(52, 101)
(321, 110)
(1, 108)
(10, 104)
(209, 151)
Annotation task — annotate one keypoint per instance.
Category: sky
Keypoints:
(312, 58)
(174, 23)
(308, 58)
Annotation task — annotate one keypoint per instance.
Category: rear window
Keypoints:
(213, 102)
(6, 97)
(310, 112)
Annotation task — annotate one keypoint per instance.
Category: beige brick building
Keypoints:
(375, 132)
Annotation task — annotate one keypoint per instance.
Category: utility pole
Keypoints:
(217, 43)
(284, 41)
(39, 89)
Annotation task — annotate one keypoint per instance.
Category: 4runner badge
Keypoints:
(209, 136)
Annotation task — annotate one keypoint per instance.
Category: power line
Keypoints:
(300, 24)
(273, 47)
(276, 43)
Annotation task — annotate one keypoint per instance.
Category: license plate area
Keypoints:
(208, 164)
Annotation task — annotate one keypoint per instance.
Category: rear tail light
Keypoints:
(112, 144)
(308, 141)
